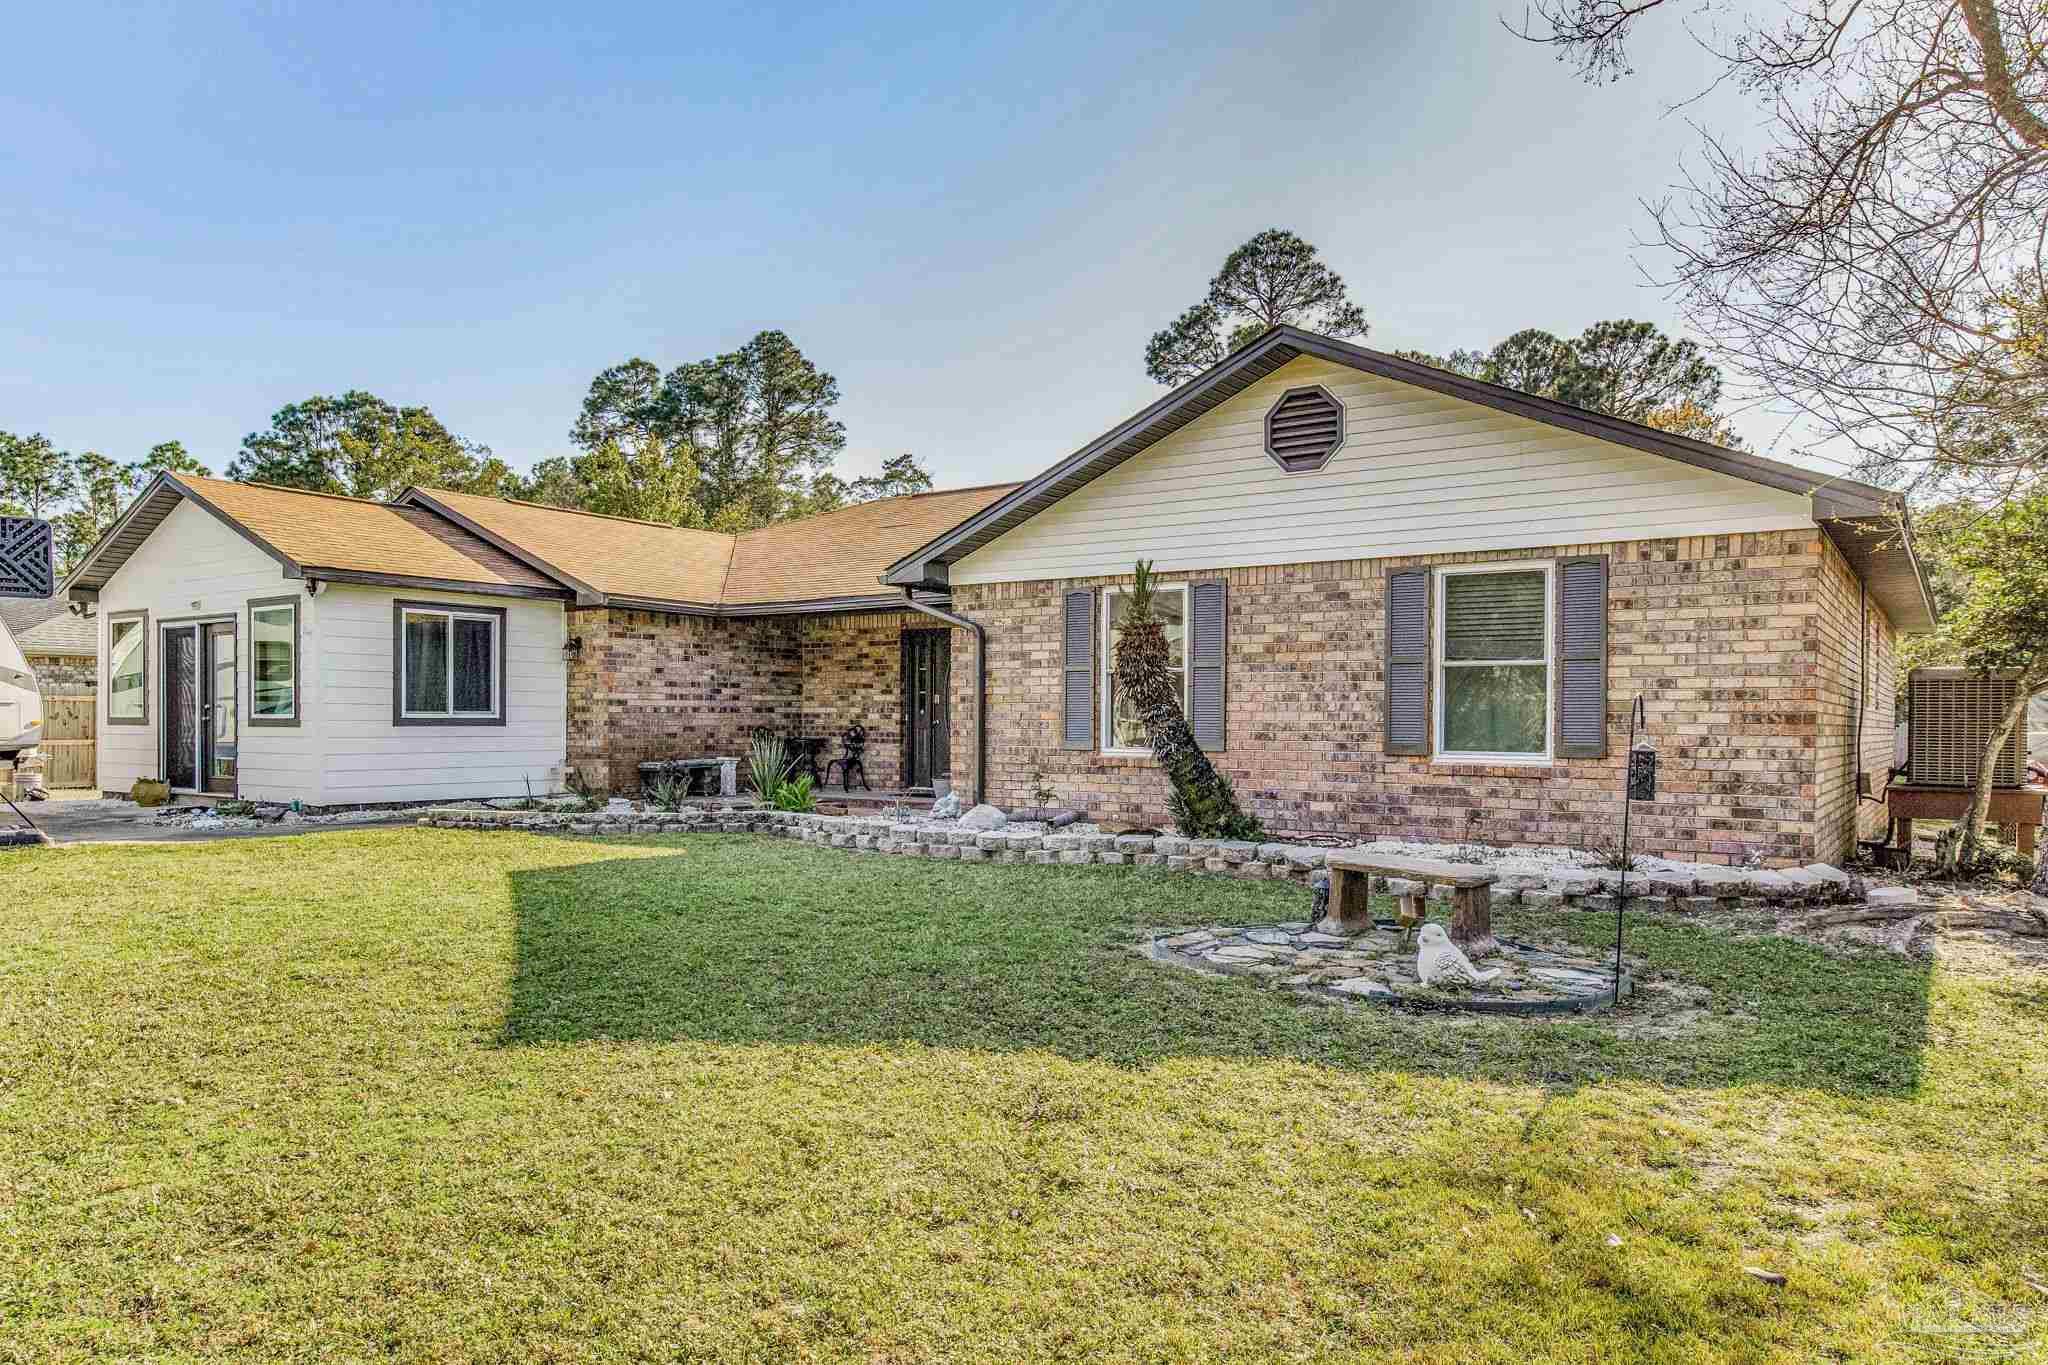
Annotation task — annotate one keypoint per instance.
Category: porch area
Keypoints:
(651, 688)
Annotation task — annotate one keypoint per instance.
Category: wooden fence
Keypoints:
(70, 741)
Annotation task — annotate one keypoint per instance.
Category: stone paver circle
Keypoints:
(1378, 966)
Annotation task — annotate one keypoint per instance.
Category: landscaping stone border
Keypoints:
(1680, 888)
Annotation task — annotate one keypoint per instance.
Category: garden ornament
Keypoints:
(1440, 962)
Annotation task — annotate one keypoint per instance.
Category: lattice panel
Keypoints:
(28, 562)
(1952, 718)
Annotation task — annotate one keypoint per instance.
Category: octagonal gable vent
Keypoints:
(1304, 429)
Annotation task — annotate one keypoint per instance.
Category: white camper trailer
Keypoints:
(21, 703)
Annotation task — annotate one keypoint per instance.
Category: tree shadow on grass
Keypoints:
(740, 940)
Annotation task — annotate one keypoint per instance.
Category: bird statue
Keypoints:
(1440, 962)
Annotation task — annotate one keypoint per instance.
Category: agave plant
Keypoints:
(767, 765)
(1202, 802)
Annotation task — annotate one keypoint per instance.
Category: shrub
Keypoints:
(794, 795)
(668, 793)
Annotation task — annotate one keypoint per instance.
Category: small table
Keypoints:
(1351, 874)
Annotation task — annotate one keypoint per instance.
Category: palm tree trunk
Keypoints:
(1204, 805)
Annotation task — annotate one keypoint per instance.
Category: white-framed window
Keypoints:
(1494, 642)
(1122, 730)
(449, 667)
(274, 661)
(128, 668)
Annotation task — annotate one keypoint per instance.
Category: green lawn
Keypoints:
(425, 1095)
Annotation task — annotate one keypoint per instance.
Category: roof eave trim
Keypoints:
(927, 556)
(1915, 616)
(1831, 496)
(586, 594)
(810, 606)
(163, 482)
(817, 606)
(1603, 426)
(370, 579)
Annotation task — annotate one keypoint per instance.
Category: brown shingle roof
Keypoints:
(523, 547)
(843, 553)
(617, 556)
(830, 556)
(327, 531)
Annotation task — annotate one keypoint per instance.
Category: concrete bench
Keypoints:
(1351, 874)
(702, 776)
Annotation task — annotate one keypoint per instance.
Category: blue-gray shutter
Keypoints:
(1205, 665)
(1582, 657)
(1077, 691)
(1408, 662)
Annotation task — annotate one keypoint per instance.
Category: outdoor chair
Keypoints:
(851, 760)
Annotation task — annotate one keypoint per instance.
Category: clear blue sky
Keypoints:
(974, 218)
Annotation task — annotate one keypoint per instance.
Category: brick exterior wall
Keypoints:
(649, 685)
(1850, 677)
(65, 675)
(853, 675)
(1734, 640)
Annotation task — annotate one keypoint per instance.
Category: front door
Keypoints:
(202, 725)
(927, 685)
(181, 707)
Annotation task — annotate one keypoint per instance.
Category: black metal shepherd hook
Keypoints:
(1640, 784)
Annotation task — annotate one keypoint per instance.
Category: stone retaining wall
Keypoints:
(1694, 890)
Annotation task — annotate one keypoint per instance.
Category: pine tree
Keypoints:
(1202, 803)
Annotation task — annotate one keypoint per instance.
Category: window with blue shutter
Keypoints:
(1407, 662)
(1206, 665)
(1582, 657)
(1077, 695)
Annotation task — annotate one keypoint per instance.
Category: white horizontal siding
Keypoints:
(1418, 473)
(366, 758)
(345, 750)
(193, 566)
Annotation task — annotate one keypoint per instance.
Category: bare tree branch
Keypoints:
(1879, 264)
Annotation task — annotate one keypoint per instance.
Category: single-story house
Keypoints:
(1402, 602)
(274, 644)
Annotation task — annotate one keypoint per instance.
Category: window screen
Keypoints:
(426, 664)
(1495, 675)
(473, 664)
(273, 661)
(126, 681)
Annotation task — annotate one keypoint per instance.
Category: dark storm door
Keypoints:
(927, 685)
(218, 711)
(181, 707)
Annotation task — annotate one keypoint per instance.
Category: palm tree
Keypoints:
(1202, 802)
